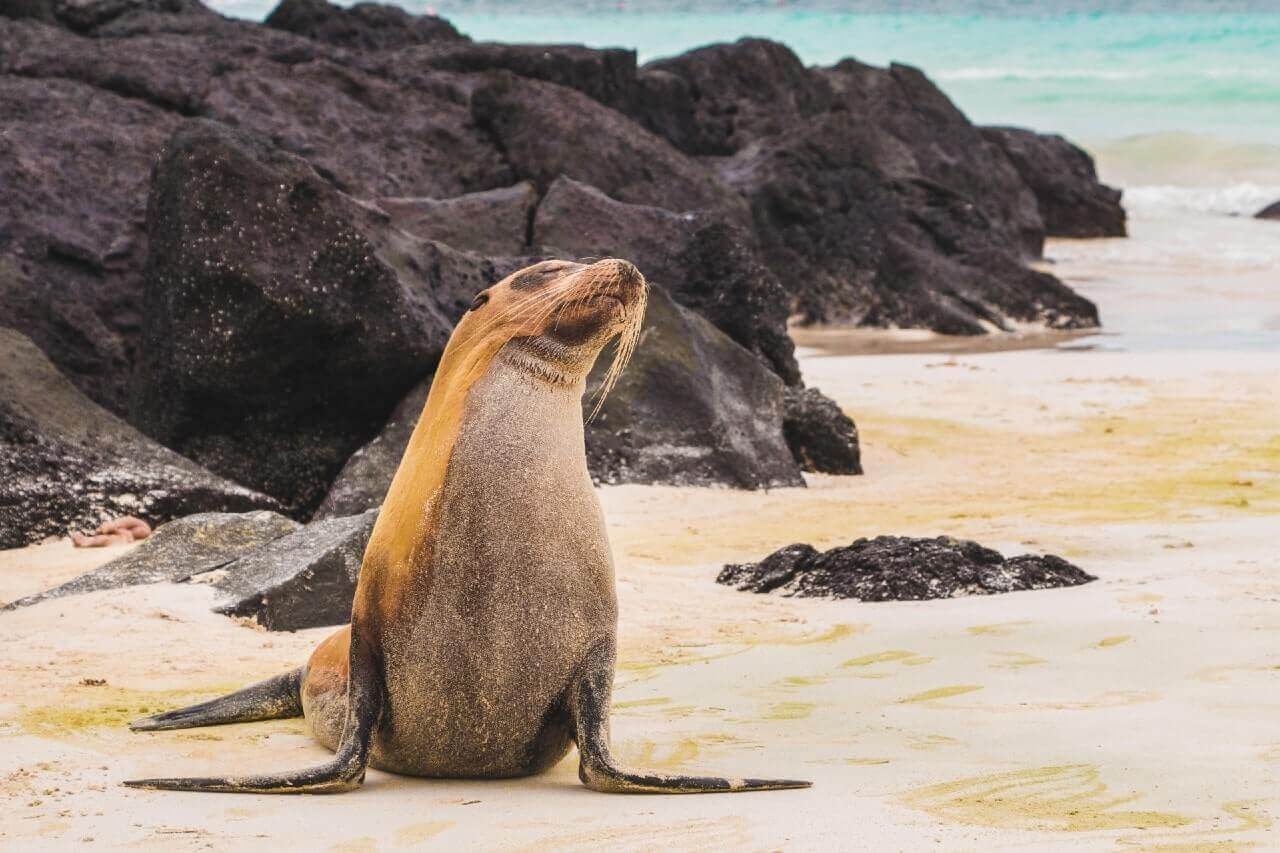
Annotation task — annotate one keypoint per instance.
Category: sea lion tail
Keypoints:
(272, 699)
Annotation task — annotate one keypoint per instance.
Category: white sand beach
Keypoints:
(1139, 711)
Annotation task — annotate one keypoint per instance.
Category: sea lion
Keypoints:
(483, 631)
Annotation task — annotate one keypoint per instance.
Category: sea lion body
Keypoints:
(483, 630)
(479, 655)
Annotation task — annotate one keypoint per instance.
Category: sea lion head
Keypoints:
(556, 316)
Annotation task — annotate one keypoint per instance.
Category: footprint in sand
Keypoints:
(997, 629)
(1069, 798)
(938, 693)
(866, 666)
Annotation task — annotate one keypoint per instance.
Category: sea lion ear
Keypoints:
(481, 298)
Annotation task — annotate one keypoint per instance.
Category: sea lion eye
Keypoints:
(481, 299)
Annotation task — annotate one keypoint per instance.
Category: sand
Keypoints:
(1139, 711)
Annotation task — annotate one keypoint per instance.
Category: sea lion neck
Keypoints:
(547, 361)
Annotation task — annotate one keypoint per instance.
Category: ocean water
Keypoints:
(1178, 100)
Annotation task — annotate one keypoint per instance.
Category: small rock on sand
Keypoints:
(899, 568)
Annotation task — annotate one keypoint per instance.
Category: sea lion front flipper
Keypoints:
(345, 772)
(589, 700)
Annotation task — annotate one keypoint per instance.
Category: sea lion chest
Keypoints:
(518, 586)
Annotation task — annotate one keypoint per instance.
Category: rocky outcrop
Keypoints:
(97, 16)
(546, 131)
(362, 26)
(860, 237)
(178, 550)
(1071, 199)
(822, 438)
(303, 580)
(941, 147)
(605, 75)
(67, 464)
(693, 408)
(364, 480)
(494, 222)
(1271, 211)
(894, 568)
(72, 241)
(284, 324)
(718, 99)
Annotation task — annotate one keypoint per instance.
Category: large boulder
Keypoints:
(606, 75)
(1071, 199)
(547, 130)
(719, 98)
(941, 146)
(286, 320)
(899, 568)
(86, 116)
(493, 222)
(364, 480)
(822, 438)
(178, 550)
(705, 262)
(693, 408)
(362, 26)
(67, 464)
(302, 580)
(860, 237)
(74, 164)
(368, 135)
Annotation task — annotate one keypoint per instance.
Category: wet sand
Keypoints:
(1140, 711)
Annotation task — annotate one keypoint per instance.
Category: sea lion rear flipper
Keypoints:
(272, 699)
(365, 699)
(589, 699)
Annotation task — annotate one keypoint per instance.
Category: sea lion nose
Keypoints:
(624, 271)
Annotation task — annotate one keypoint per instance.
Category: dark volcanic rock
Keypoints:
(693, 408)
(717, 99)
(175, 551)
(1072, 202)
(285, 323)
(87, 116)
(368, 135)
(67, 464)
(74, 164)
(1271, 211)
(860, 237)
(822, 438)
(605, 75)
(894, 568)
(95, 16)
(547, 131)
(705, 262)
(942, 147)
(302, 580)
(367, 475)
(363, 26)
(494, 222)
